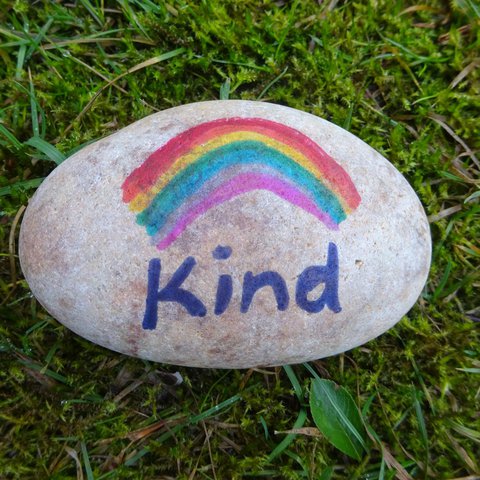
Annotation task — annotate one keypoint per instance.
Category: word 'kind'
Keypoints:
(307, 281)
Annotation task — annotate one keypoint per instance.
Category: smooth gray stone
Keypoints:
(329, 285)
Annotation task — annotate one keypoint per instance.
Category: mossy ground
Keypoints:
(402, 76)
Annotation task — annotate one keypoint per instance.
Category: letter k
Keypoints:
(172, 292)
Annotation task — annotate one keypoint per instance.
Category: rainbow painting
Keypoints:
(216, 161)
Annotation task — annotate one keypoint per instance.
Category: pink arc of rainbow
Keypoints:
(238, 185)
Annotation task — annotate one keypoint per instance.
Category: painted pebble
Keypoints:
(227, 234)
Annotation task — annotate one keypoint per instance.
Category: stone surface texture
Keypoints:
(86, 259)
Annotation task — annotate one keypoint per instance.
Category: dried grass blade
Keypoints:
(438, 119)
(73, 453)
(140, 66)
(467, 70)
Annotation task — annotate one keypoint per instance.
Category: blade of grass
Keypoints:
(11, 245)
(265, 427)
(469, 370)
(215, 409)
(132, 16)
(35, 107)
(311, 370)
(37, 326)
(9, 33)
(273, 82)
(440, 120)
(47, 372)
(47, 149)
(367, 404)
(225, 89)
(348, 120)
(91, 10)
(294, 381)
(190, 421)
(86, 462)
(291, 18)
(299, 460)
(23, 185)
(35, 42)
(97, 38)
(326, 474)
(239, 64)
(302, 416)
(20, 61)
(473, 196)
(10, 137)
(422, 427)
(263, 473)
(473, 435)
(438, 291)
(381, 473)
(474, 7)
(419, 58)
(149, 6)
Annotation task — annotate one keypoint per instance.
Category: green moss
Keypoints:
(390, 72)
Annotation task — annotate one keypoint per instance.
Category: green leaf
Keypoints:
(337, 417)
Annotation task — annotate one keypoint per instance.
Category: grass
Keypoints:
(402, 76)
